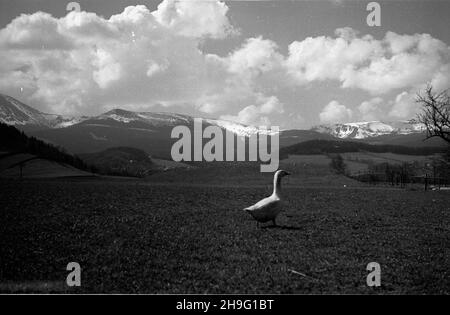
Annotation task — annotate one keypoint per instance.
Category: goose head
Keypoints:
(277, 181)
(282, 173)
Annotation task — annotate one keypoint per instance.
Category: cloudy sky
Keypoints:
(294, 64)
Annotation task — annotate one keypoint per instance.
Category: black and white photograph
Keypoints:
(199, 149)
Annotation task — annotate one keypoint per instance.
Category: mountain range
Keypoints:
(151, 132)
(363, 130)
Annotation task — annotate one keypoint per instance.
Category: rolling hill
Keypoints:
(25, 156)
(122, 161)
(340, 146)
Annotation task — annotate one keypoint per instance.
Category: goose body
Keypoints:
(269, 208)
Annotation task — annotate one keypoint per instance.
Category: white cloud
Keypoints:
(377, 66)
(321, 58)
(35, 31)
(404, 106)
(256, 56)
(108, 70)
(155, 68)
(83, 64)
(371, 110)
(245, 76)
(256, 115)
(195, 18)
(334, 112)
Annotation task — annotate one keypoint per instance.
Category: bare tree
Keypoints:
(435, 113)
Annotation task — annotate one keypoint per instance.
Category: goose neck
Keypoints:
(276, 185)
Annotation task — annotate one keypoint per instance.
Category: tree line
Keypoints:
(15, 141)
(128, 162)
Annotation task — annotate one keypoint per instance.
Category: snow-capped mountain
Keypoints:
(155, 119)
(151, 131)
(14, 112)
(238, 129)
(61, 121)
(152, 119)
(363, 130)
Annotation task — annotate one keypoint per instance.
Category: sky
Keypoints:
(293, 64)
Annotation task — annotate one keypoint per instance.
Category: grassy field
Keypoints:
(357, 161)
(161, 237)
(34, 167)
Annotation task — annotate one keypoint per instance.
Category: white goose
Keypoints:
(268, 208)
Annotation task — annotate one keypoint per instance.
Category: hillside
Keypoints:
(13, 112)
(24, 117)
(98, 134)
(14, 141)
(122, 161)
(408, 140)
(335, 146)
(24, 165)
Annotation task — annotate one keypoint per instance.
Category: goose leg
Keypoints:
(274, 222)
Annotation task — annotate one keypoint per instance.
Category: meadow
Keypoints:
(359, 161)
(163, 235)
